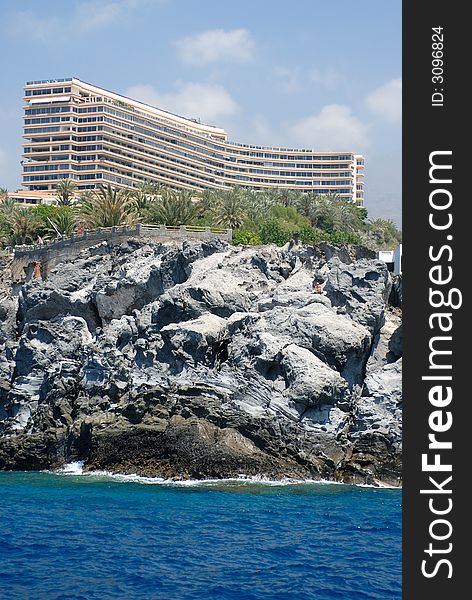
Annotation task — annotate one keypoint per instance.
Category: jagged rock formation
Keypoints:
(205, 360)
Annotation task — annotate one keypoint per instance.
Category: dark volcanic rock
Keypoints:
(396, 295)
(206, 360)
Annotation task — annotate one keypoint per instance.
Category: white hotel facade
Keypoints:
(77, 131)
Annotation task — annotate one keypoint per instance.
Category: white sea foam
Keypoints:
(76, 468)
(73, 468)
(376, 486)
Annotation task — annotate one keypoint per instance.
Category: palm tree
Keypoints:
(208, 201)
(84, 197)
(257, 205)
(7, 204)
(348, 217)
(322, 212)
(274, 195)
(107, 207)
(145, 193)
(230, 210)
(61, 224)
(23, 226)
(155, 189)
(287, 197)
(383, 233)
(304, 204)
(174, 208)
(65, 191)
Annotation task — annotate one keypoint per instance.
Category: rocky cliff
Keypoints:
(205, 360)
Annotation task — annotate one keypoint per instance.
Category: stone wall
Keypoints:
(31, 261)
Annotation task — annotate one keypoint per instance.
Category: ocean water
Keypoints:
(72, 536)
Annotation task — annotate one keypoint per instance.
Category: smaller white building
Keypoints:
(397, 260)
(392, 258)
(27, 198)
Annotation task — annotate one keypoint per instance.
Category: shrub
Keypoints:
(274, 232)
(53, 220)
(345, 237)
(245, 237)
(311, 235)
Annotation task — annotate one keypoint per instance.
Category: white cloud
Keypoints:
(386, 101)
(261, 131)
(326, 78)
(95, 15)
(289, 79)
(27, 24)
(87, 16)
(293, 80)
(333, 128)
(206, 101)
(216, 45)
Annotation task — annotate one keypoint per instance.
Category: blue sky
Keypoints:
(308, 73)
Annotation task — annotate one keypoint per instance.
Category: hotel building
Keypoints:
(74, 130)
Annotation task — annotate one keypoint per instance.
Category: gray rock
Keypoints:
(379, 408)
(196, 341)
(387, 344)
(360, 290)
(396, 294)
(309, 380)
(205, 360)
(346, 253)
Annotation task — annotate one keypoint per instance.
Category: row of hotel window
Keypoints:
(182, 168)
(205, 141)
(204, 178)
(58, 129)
(79, 149)
(89, 176)
(93, 167)
(51, 110)
(55, 167)
(132, 182)
(32, 149)
(48, 91)
(92, 176)
(178, 166)
(160, 146)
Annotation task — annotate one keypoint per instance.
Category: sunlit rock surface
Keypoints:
(205, 360)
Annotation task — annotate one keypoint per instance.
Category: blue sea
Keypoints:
(72, 536)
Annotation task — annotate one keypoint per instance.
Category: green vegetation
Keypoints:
(65, 191)
(172, 208)
(229, 209)
(106, 207)
(20, 226)
(146, 193)
(382, 234)
(271, 216)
